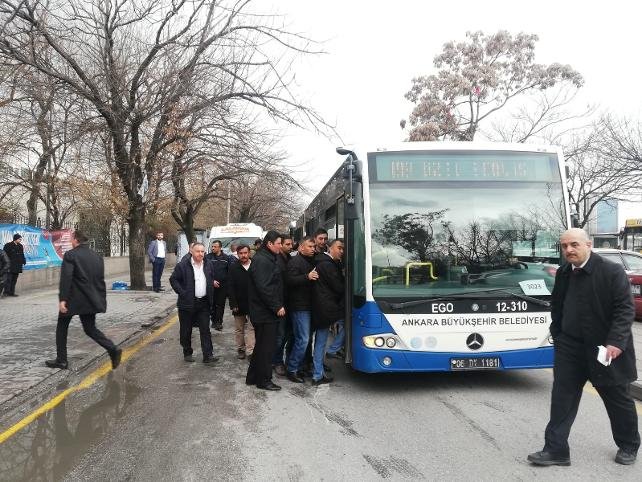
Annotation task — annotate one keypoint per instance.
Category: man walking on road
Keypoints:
(220, 267)
(16, 253)
(266, 310)
(192, 280)
(592, 312)
(238, 287)
(156, 251)
(82, 292)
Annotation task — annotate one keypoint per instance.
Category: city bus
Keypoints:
(632, 235)
(451, 253)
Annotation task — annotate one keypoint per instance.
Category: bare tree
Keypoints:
(477, 78)
(135, 62)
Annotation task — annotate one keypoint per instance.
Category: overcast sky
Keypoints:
(375, 48)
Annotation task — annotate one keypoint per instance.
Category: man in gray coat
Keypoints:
(82, 292)
(592, 307)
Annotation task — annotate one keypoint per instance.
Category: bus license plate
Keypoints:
(478, 363)
(635, 289)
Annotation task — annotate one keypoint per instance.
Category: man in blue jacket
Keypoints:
(192, 280)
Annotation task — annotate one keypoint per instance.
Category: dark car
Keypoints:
(632, 263)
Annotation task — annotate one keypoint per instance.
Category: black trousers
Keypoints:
(218, 308)
(259, 372)
(199, 316)
(10, 284)
(570, 373)
(89, 325)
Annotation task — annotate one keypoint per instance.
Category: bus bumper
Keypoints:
(374, 360)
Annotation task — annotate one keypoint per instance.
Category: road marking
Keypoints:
(87, 382)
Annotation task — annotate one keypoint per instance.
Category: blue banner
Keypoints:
(38, 245)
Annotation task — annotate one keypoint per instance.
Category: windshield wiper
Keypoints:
(466, 294)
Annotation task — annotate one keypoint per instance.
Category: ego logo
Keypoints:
(442, 307)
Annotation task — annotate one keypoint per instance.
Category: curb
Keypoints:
(636, 389)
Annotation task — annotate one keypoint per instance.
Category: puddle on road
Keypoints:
(50, 446)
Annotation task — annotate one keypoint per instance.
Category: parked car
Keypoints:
(632, 263)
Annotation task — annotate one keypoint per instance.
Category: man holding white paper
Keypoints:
(592, 306)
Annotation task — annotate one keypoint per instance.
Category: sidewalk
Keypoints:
(28, 331)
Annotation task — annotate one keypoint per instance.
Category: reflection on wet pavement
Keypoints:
(48, 448)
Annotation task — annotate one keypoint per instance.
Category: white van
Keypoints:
(235, 233)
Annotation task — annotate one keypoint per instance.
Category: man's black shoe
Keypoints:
(326, 368)
(189, 358)
(210, 359)
(294, 377)
(115, 358)
(12, 294)
(57, 364)
(273, 387)
(161, 289)
(316, 383)
(218, 327)
(240, 354)
(334, 355)
(546, 458)
(625, 457)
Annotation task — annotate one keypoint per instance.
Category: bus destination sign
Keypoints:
(449, 167)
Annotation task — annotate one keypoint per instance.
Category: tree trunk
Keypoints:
(32, 204)
(137, 247)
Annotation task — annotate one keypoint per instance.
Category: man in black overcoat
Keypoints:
(592, 306)
(193, 282)
(16, 253)
(220, 265)
(239, 279)
(82, 292)
(266, 310)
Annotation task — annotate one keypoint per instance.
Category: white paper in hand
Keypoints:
(601, 356)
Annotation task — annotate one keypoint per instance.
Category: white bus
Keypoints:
(451, 252)
(235, 233)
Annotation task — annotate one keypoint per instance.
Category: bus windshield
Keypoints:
(451, 223)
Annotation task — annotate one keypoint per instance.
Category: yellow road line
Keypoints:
(87, 382)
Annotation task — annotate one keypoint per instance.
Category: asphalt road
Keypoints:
(159, 418)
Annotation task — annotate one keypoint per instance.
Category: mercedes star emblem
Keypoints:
(474, 341)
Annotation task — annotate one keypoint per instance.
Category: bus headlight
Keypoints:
(384, 340)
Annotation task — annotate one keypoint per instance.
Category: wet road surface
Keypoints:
(159, 418)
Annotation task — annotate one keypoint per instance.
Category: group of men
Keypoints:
(284, 304)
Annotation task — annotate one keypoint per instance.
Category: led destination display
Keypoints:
(432, 166)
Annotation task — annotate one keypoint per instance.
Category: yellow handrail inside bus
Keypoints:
(427, 263)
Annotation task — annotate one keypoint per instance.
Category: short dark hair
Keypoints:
(80, 236)
(270, 237)
(257, 241)
(335, 241)
(242, 246)
(320, 231)
(286, 236)
(217, 241)
(306, 238)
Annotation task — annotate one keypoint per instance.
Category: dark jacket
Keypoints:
(265, 289)
(82, 281)
(328, 297)
(220, 266)
(237, 288)
(16, 253)
(282, 261)
(299, 287)
(182, 282)
(610, 303)
(5, 264)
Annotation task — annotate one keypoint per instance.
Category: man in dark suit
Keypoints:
(5, 265)
(328, 304)
(220, 266)
(193, 281)
(16, 253)
(157, 251)
(592, 306)
(266, 310)
(239, 279)
(82, 292)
